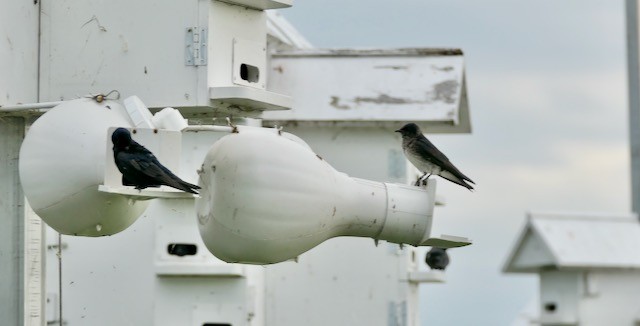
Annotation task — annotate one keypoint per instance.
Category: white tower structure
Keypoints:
(210, 60)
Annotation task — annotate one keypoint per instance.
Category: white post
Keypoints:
(21, 301)
(12, 221)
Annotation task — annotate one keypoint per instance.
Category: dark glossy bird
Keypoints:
(427, 158)
(140, 168)
(437, 258)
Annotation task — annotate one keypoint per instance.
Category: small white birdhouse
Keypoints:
(589, 267)
(208, 56)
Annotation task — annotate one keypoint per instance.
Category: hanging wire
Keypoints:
(101, 97)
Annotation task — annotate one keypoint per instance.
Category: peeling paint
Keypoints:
(384, 99)
(335, 102)
(401, 52)
(392, 67)
(445, 91)
(445, 68)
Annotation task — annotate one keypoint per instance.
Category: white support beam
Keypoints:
(19, 55)
(12, 221)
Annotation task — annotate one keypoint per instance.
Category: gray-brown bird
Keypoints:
(140, 168)
(427, 158)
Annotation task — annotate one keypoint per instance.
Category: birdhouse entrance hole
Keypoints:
(182, 249)
(550, 307)
(249, 73)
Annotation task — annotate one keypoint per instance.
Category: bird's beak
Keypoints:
(397, 130)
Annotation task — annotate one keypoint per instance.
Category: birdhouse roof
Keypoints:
(576, 241)
(280, 29)
(374, 87)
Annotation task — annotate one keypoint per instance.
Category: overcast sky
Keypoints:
(548, 95)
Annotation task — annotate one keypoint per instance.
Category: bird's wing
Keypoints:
(184, 185)
(427, 150)
(139, 167)
(149, 165)
(139, 149)
(126, 181)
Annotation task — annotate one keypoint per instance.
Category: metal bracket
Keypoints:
(195, 46)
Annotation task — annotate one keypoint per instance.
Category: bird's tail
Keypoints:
(457, 180)
(188, 187)
(174, 181)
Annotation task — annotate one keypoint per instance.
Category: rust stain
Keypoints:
(278, 69)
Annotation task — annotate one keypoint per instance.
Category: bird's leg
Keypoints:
(234, 128)
(424, 181)
(417, 184)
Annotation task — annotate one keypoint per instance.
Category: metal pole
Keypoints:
(634, 100)
(12, 219)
